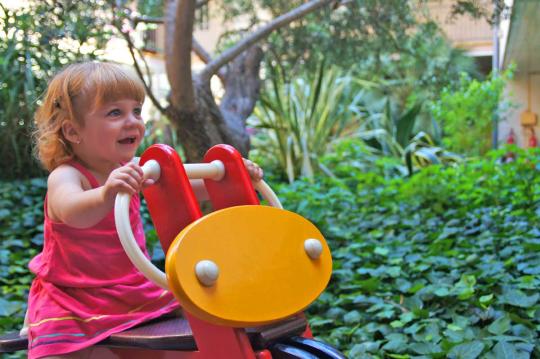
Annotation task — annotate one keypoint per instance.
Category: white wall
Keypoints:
(516, 93)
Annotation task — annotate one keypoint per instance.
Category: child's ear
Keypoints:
(70, 132)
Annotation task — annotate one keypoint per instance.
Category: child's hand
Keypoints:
(255, 172)
(126, 179)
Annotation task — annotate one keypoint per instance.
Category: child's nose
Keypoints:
(133, 119)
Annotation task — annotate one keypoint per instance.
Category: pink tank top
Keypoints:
(74, 257)
(86, 288)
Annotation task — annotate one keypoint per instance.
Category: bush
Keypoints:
(21, 225)
(444, 264)
(36, 40)
(467, 114)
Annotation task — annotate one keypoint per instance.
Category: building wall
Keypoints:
(520, 46)
(473, 35)
(517, 94)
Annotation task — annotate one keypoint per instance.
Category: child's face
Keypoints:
(113, 131)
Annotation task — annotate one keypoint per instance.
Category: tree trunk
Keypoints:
(241, 94)
(209, 124)
(197, 130)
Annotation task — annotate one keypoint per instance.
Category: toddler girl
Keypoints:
(86, 288)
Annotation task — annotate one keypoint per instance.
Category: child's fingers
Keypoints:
(133, 173)
(121, 186)
(255, 172)
(148, 183)
(126, 181)
(136, 167)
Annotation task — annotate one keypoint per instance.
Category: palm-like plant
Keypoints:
(303, 116)
(389, 129)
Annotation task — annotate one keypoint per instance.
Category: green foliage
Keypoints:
(385, 39)
(443, 264)
(303, 116)
(21, 225)
(467, 114)
(421, 152)
(394, 129)
(35, 41)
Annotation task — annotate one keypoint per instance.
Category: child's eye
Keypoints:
(137, 111)
(114, 112)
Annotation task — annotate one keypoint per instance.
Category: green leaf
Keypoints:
(505, 350)
(405, 124)
(426, 348)
(519, 298)
(464, 289)
(352, 317)
(486, 299)
(500, 326)
(467, 350)
(381, 251)
(441, 292)
(396, 343)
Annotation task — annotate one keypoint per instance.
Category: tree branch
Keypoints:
(179, 17)
(201, 52)
(280, 21)
(147, 20)
(131, 46)
(206, 58)
(148, 87)
(197, 47)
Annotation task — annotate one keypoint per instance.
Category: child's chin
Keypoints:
(127, 157)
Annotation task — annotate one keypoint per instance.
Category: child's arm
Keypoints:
(71, 204)
(255, 172)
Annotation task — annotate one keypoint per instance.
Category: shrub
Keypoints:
(467, 114)
(444, 264)
(300, 117)
(36, 40)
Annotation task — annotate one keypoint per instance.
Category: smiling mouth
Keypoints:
(127, 140)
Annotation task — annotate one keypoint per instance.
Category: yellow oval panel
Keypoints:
(265, 273)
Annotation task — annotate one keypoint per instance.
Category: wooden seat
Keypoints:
(173, 334)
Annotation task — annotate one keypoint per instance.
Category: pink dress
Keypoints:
(86, 288)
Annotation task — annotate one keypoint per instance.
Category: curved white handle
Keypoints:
(267, 193)
(123, 226)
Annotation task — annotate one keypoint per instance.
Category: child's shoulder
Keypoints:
(67, 174)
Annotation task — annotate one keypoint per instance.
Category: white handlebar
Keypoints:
(214, 170)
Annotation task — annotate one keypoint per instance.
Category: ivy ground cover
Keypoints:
(443, 264)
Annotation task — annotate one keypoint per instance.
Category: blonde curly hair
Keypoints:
(72, 92)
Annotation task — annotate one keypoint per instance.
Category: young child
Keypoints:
(86, 288)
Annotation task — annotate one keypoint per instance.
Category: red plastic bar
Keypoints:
(235, 187)
(171, 201)
(172, 205)
(219, 342)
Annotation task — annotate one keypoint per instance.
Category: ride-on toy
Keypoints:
(242, 273)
